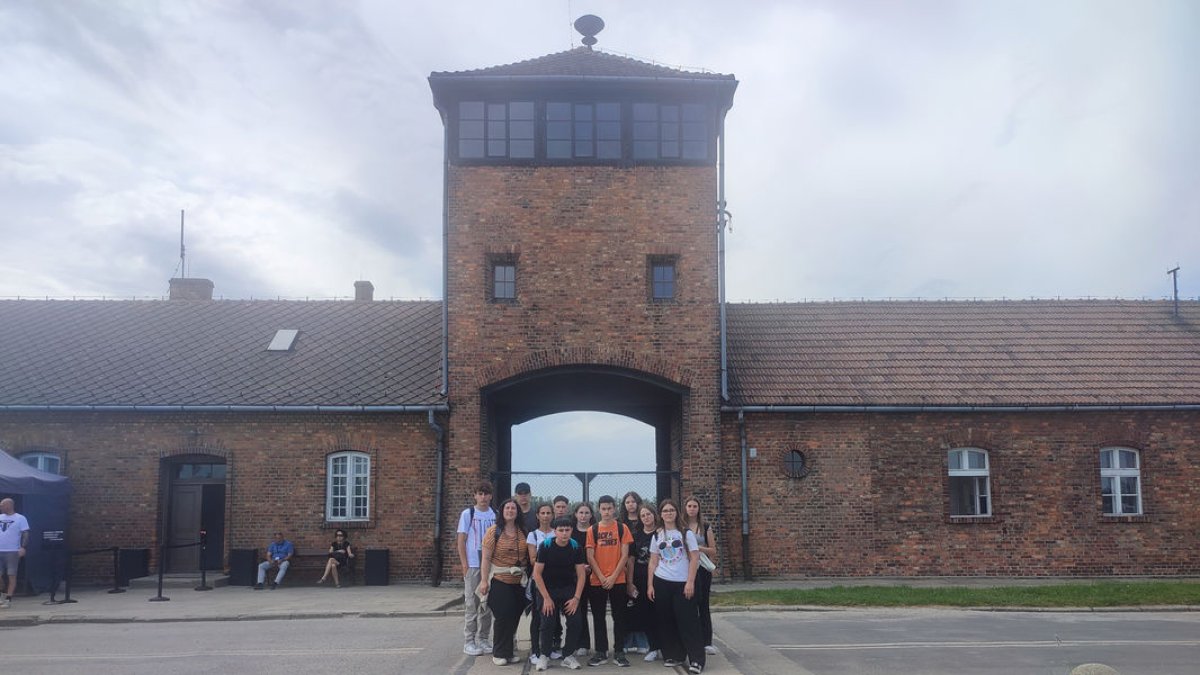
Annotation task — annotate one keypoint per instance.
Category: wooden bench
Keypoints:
(308, 564)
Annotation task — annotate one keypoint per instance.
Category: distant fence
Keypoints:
(589, 486)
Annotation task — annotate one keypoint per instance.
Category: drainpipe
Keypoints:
(746, 574)
(438, 561)
(445, 255)
(722, 222)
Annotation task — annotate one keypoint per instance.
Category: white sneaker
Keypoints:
(499, 661)
(472, 649)
(651, 656)
(543, 662)
(582, 651)
(709, 649)
(556, 654)
(571, 663)
(485, 646)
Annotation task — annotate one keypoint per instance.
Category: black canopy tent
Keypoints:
(44, 499)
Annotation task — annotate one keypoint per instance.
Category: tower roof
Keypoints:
(583, 62)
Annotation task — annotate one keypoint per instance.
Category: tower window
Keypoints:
(662, 279)
(504, 280)
(583, 130)
(495, 130)
(670, 131)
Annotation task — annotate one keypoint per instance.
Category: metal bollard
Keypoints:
(162, 557)
(116, 571)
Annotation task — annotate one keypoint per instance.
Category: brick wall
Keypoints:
(877, 499)
(276, 476)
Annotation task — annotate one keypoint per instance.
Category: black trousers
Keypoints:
(678, 622)
(549, 625)
(643, 617)
(598, 597)
(506, 602)
(535, 624)
(703, 597)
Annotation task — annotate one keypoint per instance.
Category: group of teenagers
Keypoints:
(651, 567)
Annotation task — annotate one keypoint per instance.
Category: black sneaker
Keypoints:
(598, 659)
(258, 587)
(620, 660)
(274, 585)
(695, 668)
(671, 663)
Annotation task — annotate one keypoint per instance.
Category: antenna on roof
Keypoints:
(182, 250)
(1175, 282)
(588, 26)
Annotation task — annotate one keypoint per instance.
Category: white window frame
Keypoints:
(40, 460)
(981, 486)
(348, 487)
(1116, 473)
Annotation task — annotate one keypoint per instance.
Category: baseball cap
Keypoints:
(521, 489)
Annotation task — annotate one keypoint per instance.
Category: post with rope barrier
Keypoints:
(162, 566)
(203, 549)
(116, 550)
(70, 560)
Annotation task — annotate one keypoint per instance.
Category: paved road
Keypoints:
(951, 642)
(858, 642)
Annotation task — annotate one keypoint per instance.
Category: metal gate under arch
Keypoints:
(588, 486)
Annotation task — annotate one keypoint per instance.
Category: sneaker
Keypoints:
(620, 660)
(556, 654)
(671, 663)
(258, 587)
(472, 649)
(485, 646)
(274, 585)
(710, 649)
(652, 656)
(598, 659)
(581, 652)
(571, 663)
(6, 602)
(513, 660)
(695, 668)
(543, 662)
(499, 661)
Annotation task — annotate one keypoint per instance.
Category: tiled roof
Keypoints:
(215, 353)
(584, 62)
(1079, 352)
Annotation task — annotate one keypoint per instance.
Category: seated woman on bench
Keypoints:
(340, 554)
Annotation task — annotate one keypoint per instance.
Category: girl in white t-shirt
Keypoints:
(545, 514)
(674, 557)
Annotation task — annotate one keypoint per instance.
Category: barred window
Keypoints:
(43, 461)
(348, 491)
(1121, 482)
(970, 483)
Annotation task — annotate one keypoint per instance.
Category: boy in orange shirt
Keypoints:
(607, 552)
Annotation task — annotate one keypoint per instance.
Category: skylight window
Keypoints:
(284, 338)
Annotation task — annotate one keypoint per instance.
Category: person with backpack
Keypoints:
(584, 519)
(559, 575)
(477, 618)
(642, 613)
(607, 554)
(674, 557)
(706, 541)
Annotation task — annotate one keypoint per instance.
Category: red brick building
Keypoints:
(584, 232)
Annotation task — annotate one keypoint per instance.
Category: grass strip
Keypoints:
(1099, 594)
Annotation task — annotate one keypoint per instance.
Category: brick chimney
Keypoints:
(191, 289)
(364, 291)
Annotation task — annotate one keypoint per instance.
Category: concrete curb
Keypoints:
(1044, 610)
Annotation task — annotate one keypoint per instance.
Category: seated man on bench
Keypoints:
(279, 555)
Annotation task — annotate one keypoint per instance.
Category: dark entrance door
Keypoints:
(197, 502)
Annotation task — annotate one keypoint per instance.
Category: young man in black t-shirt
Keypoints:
(559, 575)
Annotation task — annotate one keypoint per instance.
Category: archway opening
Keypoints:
(582, 455)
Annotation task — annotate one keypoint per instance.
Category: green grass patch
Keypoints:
(1099, 594)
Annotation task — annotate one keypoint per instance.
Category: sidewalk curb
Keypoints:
(1042, 610)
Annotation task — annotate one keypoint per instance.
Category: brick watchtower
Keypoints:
(581, 240)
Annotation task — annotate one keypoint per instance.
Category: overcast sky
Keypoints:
(875, 149)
